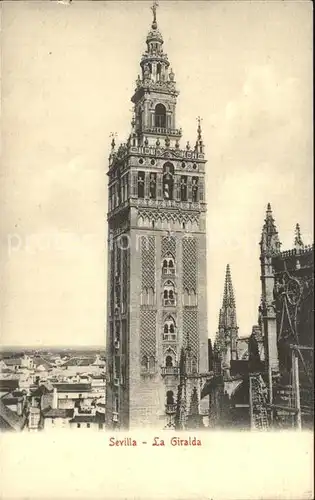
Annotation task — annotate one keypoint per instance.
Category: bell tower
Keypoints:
(157, 290)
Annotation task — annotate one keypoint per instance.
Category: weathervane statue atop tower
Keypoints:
(153, 8)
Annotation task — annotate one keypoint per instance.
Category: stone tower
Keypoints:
(269, 248)
(227, 335)
(157, 300)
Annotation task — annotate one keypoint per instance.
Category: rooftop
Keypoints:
(58, 413)
(80, 361)
(12, 361)
(9, 419)
(72, 387)
(9, 384)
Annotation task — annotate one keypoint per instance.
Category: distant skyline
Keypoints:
(68, 73)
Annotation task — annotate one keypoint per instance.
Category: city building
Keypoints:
(157, 289)
(40, 394)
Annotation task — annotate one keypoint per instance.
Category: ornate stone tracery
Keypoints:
(148, 262)
(147, 333)
(190, 330)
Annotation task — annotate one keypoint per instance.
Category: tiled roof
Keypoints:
(84, 418)
(79, 362)
(9, 384)
(72, 387)
(40, 361)
(13, 361)
(42, 389)
(9, 419)
(11, 399)
(58, 413)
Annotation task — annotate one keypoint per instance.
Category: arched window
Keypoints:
(158, 71)
(140, 184)
(168, 361)
(169, 329)
(168, 181)
(160, 116)
(152, 186)
(169, 398)
(169, 294)
(183, 188)
(168, 265)
(144, 363)
(194, 189)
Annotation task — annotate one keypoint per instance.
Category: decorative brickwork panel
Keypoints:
(168, 246)
(190, 263)
(190, 330)
(147, 333)
(148, 262)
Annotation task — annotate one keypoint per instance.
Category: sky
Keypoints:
(68, 73)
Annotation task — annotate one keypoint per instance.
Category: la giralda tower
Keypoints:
(157, 276)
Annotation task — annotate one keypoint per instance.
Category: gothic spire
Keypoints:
(298, 242)
(199, 142)
(269, 242)
(228, 297)
(226, 337)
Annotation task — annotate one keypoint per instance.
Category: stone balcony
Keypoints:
(176, 204)
(170, 409)
(170, 371)
(162, 131)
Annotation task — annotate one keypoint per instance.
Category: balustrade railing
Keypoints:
(169, 370)
(170, 408)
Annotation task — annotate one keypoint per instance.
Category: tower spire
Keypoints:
(226, 338)
(199, 143)
(153, 8)
(228, 297)
(269, 243)
(298, 242)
